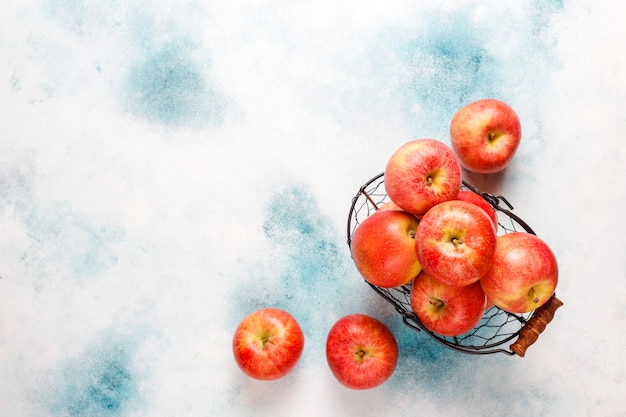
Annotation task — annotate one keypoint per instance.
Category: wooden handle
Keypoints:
(537, 324)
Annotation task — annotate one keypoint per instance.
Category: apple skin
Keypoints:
(383, 248)
(389, 205)
(444, 309)
(472, 197)
(455, 242)
(524, 275)
(422, 173)
(485, 135)
(267, 344)
(490, 302)
(361, 351)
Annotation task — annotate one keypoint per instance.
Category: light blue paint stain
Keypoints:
(422, 361)
(168, 80)
(310, 279)
(100, 383)
(486, 383)
(111, 388)
(451, 60)
(449, 67)
(169, 77)
(68, 238)
(295, 225)
(166, 85)
(542, 11)
(16, 174)
(70, 12)
(63, 239)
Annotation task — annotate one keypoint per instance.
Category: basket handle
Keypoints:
(535, 326)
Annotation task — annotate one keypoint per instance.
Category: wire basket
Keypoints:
(497, 327)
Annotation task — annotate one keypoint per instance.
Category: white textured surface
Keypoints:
(167, 167)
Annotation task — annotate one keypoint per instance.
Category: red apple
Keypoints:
(444, 309)
(421, 174)
(485, 135)
(361, 351)
(456, 242)
(383, 248)
(524, 273)
(472, 197)
(267, 344)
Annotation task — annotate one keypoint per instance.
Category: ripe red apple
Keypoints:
(361, 351)
(456, 242)
(422, 173)
(524, 273)
(472, 197)
(485, 135)
(268, 343)
(383, 248)
(444, 309)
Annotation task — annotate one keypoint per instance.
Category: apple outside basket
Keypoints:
(497, 327)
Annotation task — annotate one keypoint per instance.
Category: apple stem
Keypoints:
(491, 136)
(361, 353)
(429, 181)
(533, 294)
(435, 302)
(265, 338)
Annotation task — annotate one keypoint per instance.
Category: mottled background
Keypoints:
(167, 167)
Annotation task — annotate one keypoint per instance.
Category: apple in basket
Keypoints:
(383, 248)
(422, 173)
(361, 351)
(455, 242)
(472, 197)
(444, 309)
(524, 273)
(267, 344)
(485, 135)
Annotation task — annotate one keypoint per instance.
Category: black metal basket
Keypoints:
(497, 327)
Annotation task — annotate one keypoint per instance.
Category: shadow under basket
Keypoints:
(497, 328)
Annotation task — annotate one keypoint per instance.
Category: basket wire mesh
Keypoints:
(496, 327)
